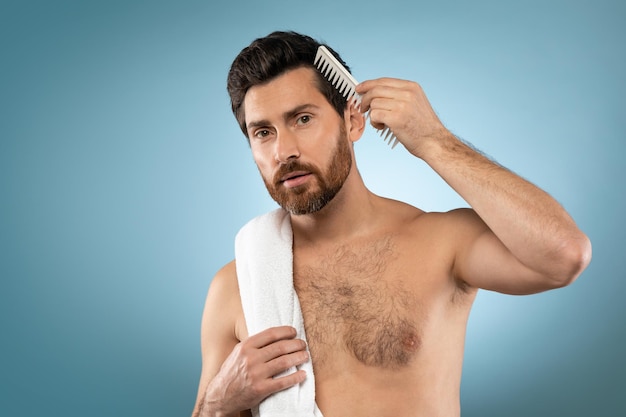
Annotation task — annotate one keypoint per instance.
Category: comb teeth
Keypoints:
(345, 83)
(337, 74)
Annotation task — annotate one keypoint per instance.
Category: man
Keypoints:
(385, 288)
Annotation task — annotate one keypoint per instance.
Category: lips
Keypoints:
(295, 178)
(293, 175)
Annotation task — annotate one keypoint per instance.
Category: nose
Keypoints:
(286, 147)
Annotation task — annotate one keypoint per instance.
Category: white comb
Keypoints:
(345, 83)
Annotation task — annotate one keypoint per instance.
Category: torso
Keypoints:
(385, 321)
(353, 300)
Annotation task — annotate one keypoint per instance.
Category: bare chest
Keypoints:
(355, 300)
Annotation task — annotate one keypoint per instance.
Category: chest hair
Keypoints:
(352, 300)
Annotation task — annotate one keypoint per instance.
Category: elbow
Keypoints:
(574, 256)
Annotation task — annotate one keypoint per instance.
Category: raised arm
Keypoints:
(520, 240)
(238, 375)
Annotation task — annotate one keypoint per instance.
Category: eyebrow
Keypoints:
(286, 115)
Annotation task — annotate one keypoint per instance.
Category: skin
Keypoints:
(419, 271)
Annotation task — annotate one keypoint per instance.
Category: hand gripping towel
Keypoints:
(264, 260)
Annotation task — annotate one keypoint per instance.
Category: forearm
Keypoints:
(530, 223)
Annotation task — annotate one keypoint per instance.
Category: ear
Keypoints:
(355, 123)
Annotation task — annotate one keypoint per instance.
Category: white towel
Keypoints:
(264, 259)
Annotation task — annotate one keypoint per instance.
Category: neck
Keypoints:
(351, 213)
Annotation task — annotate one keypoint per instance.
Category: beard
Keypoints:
(307, 198)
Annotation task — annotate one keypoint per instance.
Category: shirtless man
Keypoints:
(385, 288)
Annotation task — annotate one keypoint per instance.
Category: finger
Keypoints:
(283, 363)
(382, 113)
(383, 103)
(271, 335)
(367, 85)
(268, 386)
(383, 94)
(282, 347)
(281, 383)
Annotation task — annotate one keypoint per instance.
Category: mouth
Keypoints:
(292, 175)
(295, 178)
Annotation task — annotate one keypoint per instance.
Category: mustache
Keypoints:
(293, 166)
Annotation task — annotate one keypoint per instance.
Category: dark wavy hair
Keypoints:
(271, 56)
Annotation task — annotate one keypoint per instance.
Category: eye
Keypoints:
(304, 119)
(262, 133)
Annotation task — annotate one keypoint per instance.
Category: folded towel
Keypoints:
(264, 259)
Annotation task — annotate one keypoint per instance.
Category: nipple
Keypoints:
(410, 341)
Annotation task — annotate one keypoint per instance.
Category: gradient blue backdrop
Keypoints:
(124, 177)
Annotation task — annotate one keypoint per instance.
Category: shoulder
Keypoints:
(452, 229)
(224, 282)
(410, 213)
(454, 223)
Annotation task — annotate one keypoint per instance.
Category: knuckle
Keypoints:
(285, 362)
(245, 363)
(293, 359)
(271, 331)
(278, 349)
(275, 332)
(294, 378)
(257, 390)
(285, 347)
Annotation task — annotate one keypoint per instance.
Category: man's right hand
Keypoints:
(247, 375)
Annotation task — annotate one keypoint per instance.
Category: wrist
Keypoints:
(214, 408)
(430, 146)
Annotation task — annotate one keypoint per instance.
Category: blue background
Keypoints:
(124, 177)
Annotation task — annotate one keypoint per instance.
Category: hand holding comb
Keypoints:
(345, 83)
